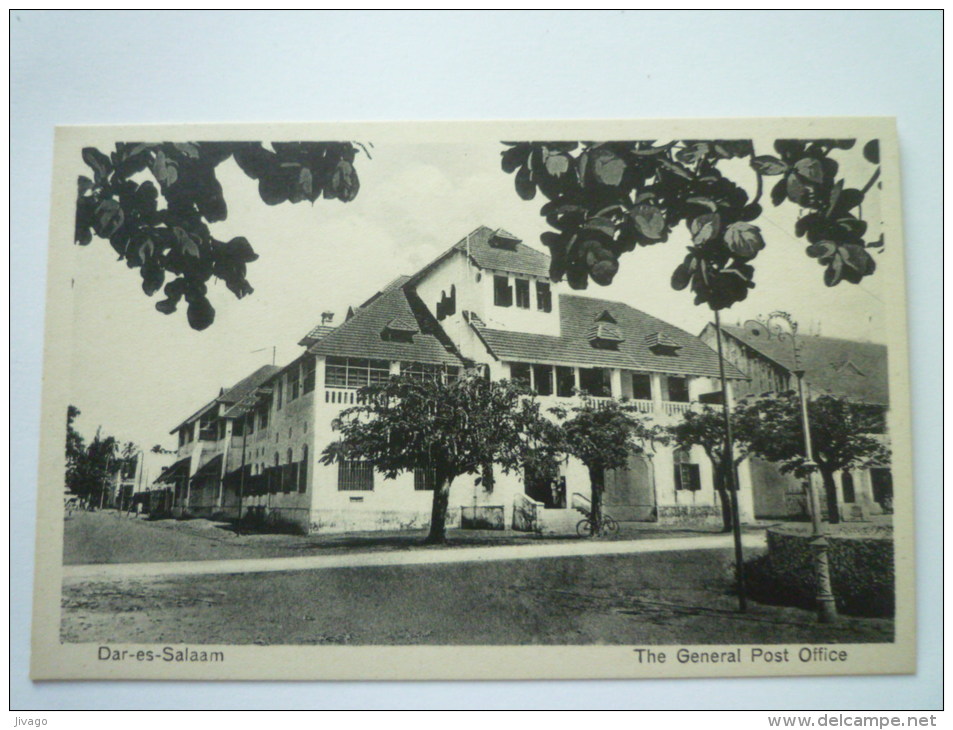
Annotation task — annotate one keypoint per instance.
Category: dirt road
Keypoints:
(649, 598)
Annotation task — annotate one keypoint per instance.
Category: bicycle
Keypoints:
(587, 527)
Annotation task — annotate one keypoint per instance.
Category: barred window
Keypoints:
(352, 372)
(308, 374)
(355, 476)
(425, 480)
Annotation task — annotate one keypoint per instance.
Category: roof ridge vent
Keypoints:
(502, 238)
(606, 316)
(660, 342)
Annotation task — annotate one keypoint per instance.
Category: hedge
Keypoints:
(861, 563)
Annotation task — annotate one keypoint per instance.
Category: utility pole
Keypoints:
(729, 473)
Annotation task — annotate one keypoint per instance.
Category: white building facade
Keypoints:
(486, 302)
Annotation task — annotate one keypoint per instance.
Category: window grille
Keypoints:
(425, 480)
(355, 476)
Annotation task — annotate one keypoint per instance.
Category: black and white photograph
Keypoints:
(530, 393)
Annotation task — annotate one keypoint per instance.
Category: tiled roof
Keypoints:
(318, 332)
(856, 370)
(360, 336)
(245, 386)
(577, 316)
(517, 258)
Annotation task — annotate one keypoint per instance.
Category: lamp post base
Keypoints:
(826, 606)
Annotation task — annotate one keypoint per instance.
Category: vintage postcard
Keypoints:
(492, 400)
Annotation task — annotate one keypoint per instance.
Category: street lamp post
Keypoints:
(782, 325)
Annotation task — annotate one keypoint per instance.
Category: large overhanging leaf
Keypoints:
(176, 239)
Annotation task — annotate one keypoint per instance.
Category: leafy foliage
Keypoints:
(89, 467)
(120, 203)
(706, 428)
(602, 435)
(453, 428)
(608, 198)
(843, 436)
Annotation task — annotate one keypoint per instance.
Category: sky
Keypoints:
(151, 371)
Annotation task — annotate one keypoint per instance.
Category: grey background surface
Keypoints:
(114, 67)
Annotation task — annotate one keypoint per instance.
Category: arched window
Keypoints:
(276, 476)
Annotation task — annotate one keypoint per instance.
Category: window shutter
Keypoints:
(678, 477)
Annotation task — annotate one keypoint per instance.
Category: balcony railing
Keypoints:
(673, 408)
(342, 396)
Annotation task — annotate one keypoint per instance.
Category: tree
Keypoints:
(607, 198)
(118, 205)
(75, 451)
(706, 428)
(843, 436)
(602, 435)
(453, 428)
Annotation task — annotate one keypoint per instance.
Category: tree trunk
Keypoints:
(597, 482)
(438, 515)
(724, 498)
(830, 488)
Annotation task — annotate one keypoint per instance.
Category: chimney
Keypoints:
(326, 317)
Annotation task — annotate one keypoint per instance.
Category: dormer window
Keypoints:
(399, 329)
(605, 335)
(661, 344)
(503, 239)
(502, 291)
(544, 297)
(522, 293)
